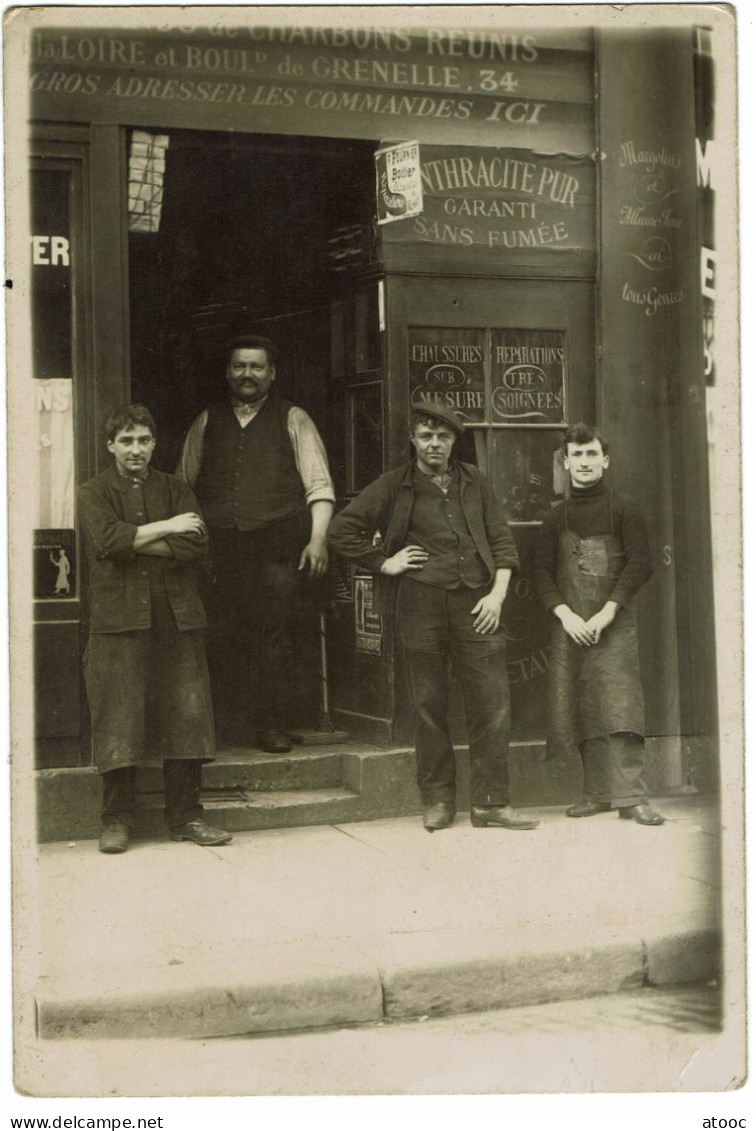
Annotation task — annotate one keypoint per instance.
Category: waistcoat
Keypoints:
(249, 477)
(438, 524)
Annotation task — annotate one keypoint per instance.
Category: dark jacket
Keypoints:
(385, 507)
(119, 578)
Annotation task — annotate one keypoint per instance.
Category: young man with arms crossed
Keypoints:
(145, 669)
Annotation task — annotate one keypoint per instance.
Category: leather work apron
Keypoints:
(593, 690)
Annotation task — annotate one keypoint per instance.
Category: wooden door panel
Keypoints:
(456, 325)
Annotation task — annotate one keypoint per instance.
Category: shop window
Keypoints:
(527, 471)
(509, 386)
(52, 308)
(365, 434)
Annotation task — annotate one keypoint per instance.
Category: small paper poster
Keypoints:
(399, 189)
(367, 622)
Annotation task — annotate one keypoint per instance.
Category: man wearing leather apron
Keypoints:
(592, 558)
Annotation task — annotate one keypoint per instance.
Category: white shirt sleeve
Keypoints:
(310, 456)
(191, 456)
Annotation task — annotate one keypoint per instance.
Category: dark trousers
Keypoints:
(435, 628)
(182, 779)
(614, 769)
(255, 611)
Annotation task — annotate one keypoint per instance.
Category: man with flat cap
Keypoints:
(444, 560)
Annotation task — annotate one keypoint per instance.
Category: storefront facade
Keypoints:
(191, 183)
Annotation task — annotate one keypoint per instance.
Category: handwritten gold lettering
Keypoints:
(652, 300)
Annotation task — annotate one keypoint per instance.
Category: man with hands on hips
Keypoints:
(444, 560)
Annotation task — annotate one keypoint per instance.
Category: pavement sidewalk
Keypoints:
(342, 924)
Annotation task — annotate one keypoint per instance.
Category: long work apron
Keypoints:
(593, 690)
(149, 691)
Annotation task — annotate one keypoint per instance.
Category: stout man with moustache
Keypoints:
(260, 473)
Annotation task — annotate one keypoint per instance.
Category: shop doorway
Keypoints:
(274, 234)
(253, 235)
(256, 234)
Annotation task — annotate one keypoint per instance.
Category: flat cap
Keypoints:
(441, 412)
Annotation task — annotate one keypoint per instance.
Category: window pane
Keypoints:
(446, 367)
(527, 471)
(527, 376)
(365, 434)
(54, 538)
(51, 274)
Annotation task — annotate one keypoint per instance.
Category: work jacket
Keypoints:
(119, 577)
(373, 527)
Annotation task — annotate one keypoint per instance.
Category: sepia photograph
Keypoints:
(375, 555)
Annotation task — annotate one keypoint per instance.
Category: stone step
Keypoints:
(310, 785)
(246, 769)
(378, 783)
(267, 809)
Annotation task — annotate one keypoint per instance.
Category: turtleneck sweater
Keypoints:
(592, 511)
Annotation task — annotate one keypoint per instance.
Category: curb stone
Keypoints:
(311, 985)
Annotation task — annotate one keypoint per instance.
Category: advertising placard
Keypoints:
(502, 201)
(367, 622)
(398, 188)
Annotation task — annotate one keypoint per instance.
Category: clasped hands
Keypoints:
(586, 632)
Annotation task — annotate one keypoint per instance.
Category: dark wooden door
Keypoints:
(517, 359)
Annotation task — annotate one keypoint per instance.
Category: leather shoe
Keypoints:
(588, 808)
(503, 815)
(274, 741)
(438, 816)
(115, 837)
(642, 814)
(201, 833)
